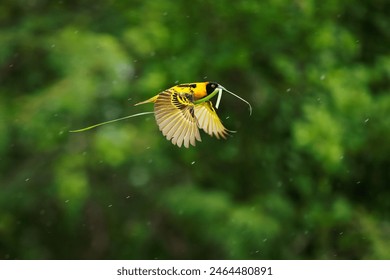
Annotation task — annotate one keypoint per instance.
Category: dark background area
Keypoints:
(305, 177)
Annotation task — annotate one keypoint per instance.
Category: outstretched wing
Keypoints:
(175, 118)
(209, 121)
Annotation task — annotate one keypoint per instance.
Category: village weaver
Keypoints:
(182, 109)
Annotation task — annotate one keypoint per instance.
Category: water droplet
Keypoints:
(66, 201)
(288, 90)
(192, 163)
(27, 179)
(110, 205)
(322, 77)
(366, 120)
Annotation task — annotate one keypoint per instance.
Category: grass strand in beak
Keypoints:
(111, 121)
(219, 98)
(242, 99)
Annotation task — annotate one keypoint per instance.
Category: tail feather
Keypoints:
(150, 100)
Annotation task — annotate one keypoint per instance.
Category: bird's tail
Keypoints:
(150, 100)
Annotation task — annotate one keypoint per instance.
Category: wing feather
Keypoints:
(175, 117)
(209, 121)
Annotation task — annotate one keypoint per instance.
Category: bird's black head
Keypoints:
(210, 87)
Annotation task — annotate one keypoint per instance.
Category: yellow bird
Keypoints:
(182, 109)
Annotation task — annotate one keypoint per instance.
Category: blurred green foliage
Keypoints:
(305, 177)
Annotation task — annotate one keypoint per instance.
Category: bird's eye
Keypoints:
(210, 87)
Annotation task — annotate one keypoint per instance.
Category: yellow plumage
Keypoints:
(179, 119)
(182, 110)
